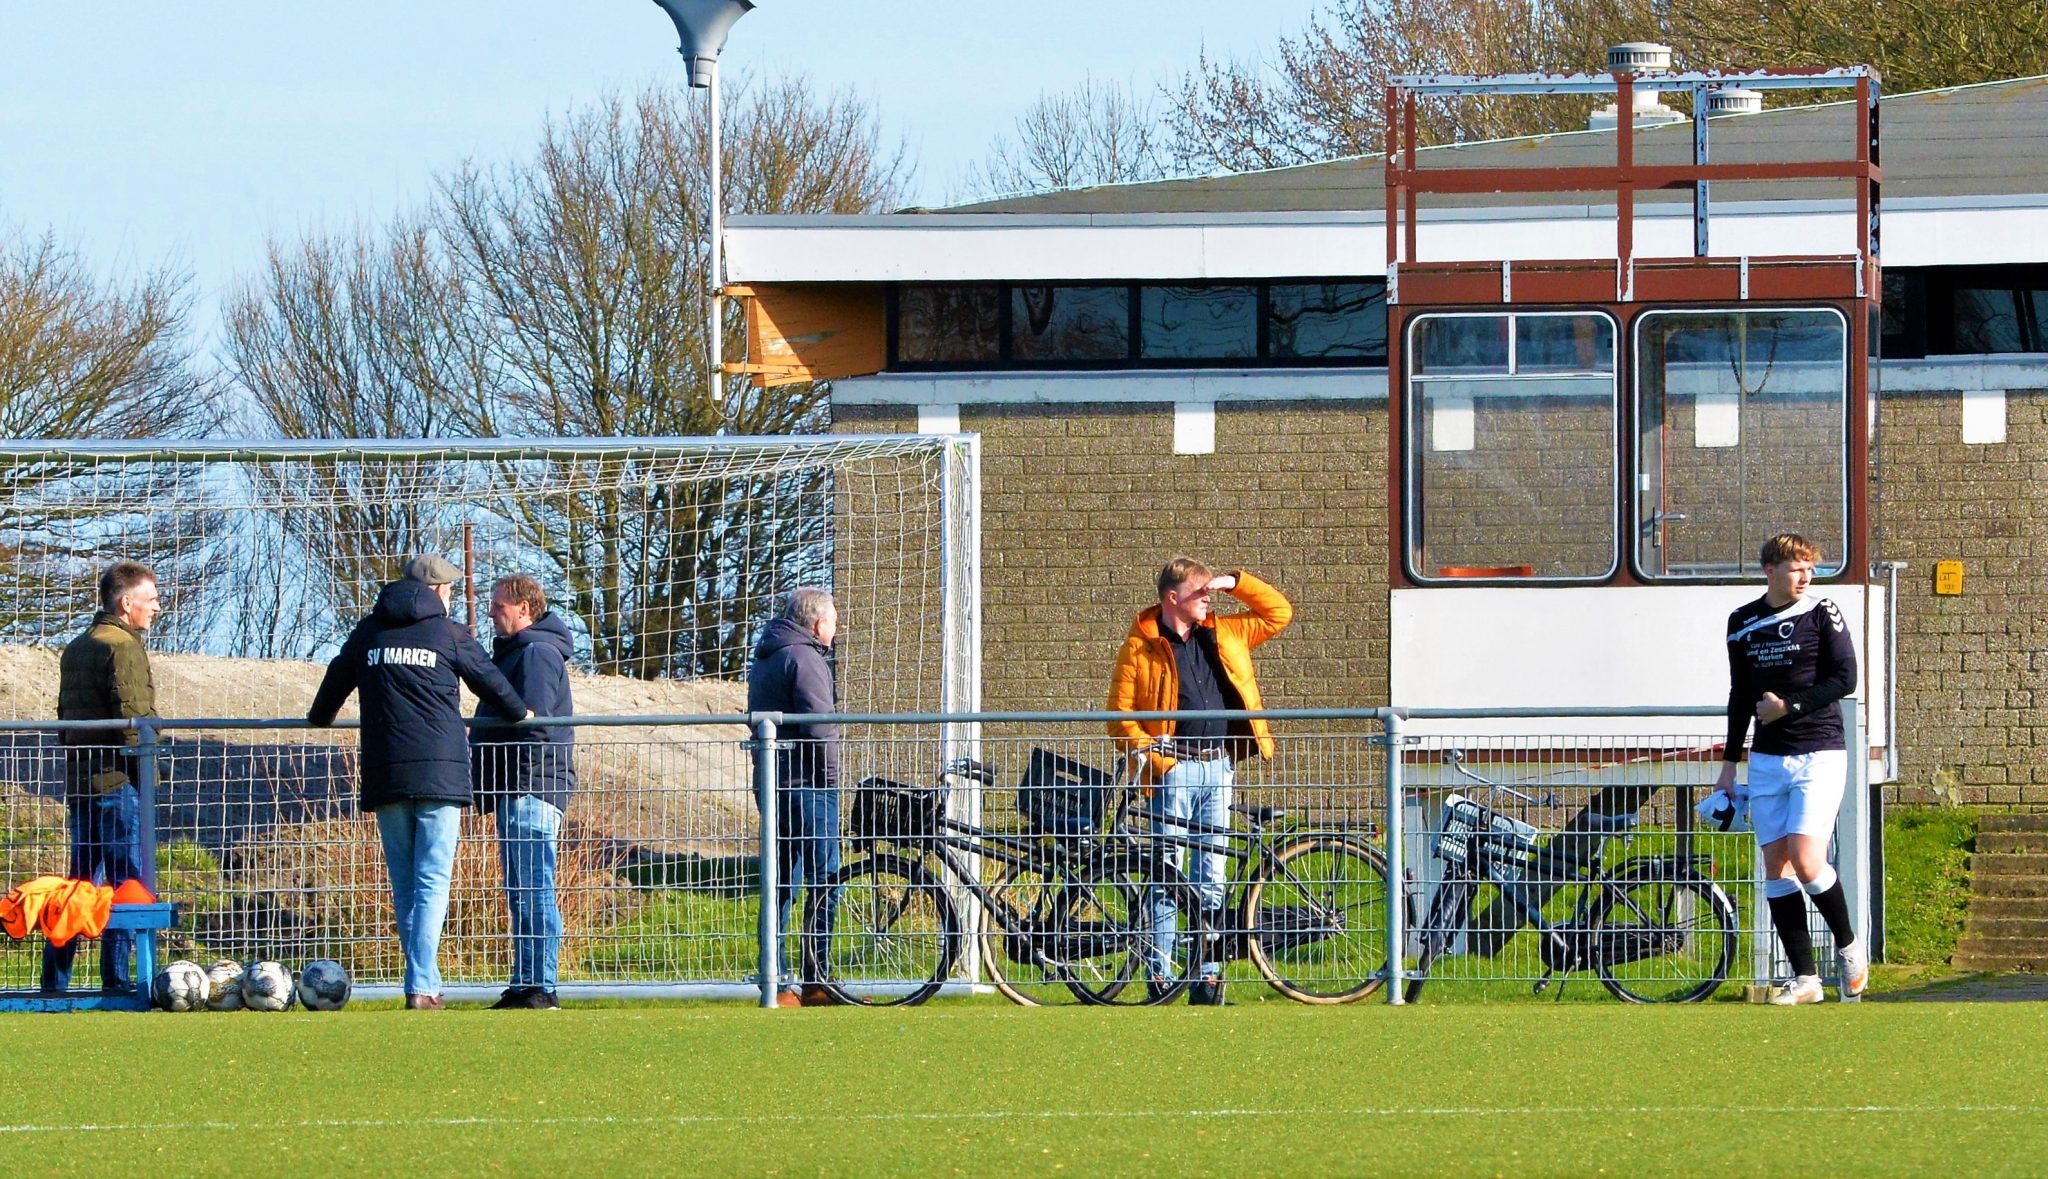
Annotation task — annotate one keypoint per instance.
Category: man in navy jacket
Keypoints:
(405, 660)
(792, 673)
(524, 777)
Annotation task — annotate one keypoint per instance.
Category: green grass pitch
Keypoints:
(973, 1087)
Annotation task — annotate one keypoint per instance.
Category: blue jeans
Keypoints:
(1197, 791)
(104, 850)
(807, 853)
(528, 829)
(419, 851)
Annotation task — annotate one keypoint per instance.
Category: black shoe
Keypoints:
(1206, 993)
(513, 999)
(540, 1000)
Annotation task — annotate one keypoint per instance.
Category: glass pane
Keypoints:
(1459, 345)
(1510, 475)
(1308, 320)
(1198, 323)
(948, 325)
(1070, 323)
(1999, 320)
(1744, 419)
(1563, 344)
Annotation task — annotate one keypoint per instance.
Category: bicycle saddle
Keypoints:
(1261, 815)
(1595, 821)
(967, 767)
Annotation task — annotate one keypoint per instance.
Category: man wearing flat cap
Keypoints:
(405, 659)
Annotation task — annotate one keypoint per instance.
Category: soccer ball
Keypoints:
(323, 985)
(224, 985)
(181, 986)
(266, 986)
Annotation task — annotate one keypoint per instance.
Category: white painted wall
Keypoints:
(1591, 647)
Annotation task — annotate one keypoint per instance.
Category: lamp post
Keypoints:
(702, 26)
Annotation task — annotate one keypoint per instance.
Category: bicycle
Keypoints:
(1063, 919)
(1311, 903)
(1654, 928)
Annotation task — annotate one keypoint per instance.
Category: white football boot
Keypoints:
(1801, 990)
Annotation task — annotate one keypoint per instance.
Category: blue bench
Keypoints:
(146, 921)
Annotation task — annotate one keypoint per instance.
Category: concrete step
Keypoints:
(2012, 842)
(2035, 821)
(2009, 887)
(2002, 956)
(2033, 927)
(1996, 907)
(2009, 864)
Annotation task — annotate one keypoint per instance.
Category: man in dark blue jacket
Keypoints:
(524, 776)
(405, 659)
(792, 673)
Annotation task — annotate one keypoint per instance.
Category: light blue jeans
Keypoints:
(1197, 791)
(528, 830)
(419, 851)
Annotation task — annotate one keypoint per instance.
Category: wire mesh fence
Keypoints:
(1037, 857)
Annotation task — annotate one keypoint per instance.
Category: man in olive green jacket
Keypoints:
(104, 675)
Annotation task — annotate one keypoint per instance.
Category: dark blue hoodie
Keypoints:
(405, 658)
(536, 761)
(791, 673)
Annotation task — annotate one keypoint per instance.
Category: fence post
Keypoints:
(771, 925)
(146, 749)
(1397, 883)
(1853, 836)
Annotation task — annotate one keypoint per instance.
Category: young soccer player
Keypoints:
(1790, 660)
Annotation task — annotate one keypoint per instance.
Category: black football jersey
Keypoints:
(1803, 653)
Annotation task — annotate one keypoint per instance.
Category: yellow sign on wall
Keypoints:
(1948, 578)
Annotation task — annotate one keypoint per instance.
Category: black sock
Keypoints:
(1788, 913)
(1834, 909)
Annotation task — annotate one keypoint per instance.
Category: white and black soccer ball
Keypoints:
(266, 986)
(324, 985)
(224, 986)
(181, 986)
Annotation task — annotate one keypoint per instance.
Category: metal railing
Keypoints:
(680, 828)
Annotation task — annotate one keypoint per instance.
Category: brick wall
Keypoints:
(1082, 504)
(1971, 726)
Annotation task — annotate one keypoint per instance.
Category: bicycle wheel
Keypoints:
(882, 932)
(1134, 933)
(1665, 934)
(1449, 911)
(1020, 939)
(1315, 919)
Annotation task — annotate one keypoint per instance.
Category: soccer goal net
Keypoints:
(664, 556)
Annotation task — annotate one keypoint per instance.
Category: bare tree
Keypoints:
(1097, 133)
(563, 296)
(1319, 95)
(85, 357)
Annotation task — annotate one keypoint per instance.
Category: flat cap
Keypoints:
(433, 569)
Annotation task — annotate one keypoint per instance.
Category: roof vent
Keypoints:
(1640, 58)
(1734, 100)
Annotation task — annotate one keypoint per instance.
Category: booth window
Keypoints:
(1511, 464)
(1743, 419)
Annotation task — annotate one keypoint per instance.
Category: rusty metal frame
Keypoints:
(1626, 285)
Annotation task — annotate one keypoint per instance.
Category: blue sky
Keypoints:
(187, 132)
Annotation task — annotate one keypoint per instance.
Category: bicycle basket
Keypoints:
(1479, 838)
(1061, 796)
(891, 811)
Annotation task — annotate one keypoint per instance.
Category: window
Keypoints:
(1070, 323)
(969, 326)
(1743, 423)
(2000, 319)
(949, 324)
(1328, 319)
(1511, 460)
(1198, 323)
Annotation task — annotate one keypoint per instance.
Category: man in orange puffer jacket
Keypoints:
(1180, 656)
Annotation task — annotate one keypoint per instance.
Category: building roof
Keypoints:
(1967, 141)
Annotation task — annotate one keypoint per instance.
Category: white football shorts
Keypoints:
(1799, 794)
